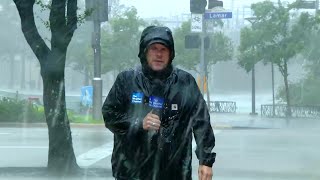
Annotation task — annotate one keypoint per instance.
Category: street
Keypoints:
(247, 148)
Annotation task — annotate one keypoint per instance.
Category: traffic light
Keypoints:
(214, 3)
(198, 6)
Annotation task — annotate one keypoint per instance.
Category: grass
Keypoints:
(86, 119)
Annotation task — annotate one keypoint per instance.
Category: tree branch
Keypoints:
(71, 18)
(58, 24)
(62, 23)
(29, 29)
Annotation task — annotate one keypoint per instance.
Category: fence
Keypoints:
(281, 110)
(223, 107)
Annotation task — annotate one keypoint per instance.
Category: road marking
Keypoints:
(95, 155)
(23, 147)
(5, 133)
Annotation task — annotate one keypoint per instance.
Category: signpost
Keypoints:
(99, 9)
(198, 15)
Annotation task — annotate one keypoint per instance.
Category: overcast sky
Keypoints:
(167, 8)
(156, 8)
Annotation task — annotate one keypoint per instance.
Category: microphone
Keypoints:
(156, 100)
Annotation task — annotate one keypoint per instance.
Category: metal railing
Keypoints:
(223, 107)
(298, 111)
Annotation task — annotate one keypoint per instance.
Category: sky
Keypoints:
(169, 8)
(157, 8)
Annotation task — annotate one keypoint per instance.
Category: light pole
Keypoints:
(273, 102)
(253, 80)
(99, 10)
(97, 81)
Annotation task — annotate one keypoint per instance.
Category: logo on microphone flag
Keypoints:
(156, 102)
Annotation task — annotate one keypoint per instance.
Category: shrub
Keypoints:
(13, 110)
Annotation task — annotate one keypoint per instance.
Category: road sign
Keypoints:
(307, 4)
(217, 15)
(196, 22)
(86, 96)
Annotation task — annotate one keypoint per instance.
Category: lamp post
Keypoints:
(253, 80)
(99, 14)
(273, 102)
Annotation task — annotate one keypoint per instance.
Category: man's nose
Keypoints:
(158, 53)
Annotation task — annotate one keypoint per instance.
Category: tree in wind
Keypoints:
(62, 24)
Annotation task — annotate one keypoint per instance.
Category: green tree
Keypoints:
(305, 92)
(62, 23)
(187, 58)
(220, 49)
(120, 45)
(80, 53)
(276, 35)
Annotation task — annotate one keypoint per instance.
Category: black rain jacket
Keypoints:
(166, 154)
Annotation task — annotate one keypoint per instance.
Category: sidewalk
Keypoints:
(242, 120)
(218, 121)
(18, 173)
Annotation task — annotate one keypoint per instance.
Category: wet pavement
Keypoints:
(248, 148)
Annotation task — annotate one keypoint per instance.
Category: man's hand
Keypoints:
(151, 122)
(205, 172)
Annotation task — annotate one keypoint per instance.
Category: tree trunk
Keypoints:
(63, 23)
(61, 157)
(285, 77)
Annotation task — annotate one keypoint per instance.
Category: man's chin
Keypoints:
(158, 68)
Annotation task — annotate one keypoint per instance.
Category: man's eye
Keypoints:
(153, 48)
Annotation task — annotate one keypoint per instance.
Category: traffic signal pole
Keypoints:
(100, 11)
(202, 63)
(97, 81)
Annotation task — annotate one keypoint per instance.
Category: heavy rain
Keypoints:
(255, 66)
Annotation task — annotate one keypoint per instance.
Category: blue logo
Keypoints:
(156, 102)
(137, 98)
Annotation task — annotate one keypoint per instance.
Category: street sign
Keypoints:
(217, 15)
(196, 22)
(86, 96)
(307, 4)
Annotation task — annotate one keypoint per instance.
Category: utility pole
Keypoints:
(253, 93)
(253, 80)
(97, 81)
(99, 9)
(273, 102)
(197, 8)
(202, 65)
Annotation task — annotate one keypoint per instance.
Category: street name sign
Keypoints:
(217, 15)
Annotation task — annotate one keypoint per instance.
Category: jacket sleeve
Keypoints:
(202, 129)
(115, 110)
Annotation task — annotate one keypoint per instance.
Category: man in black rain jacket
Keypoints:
(152, 111)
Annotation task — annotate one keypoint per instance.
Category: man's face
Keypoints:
(158, 56)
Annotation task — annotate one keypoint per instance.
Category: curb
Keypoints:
(222, 126)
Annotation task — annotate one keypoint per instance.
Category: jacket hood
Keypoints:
(156, 34)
